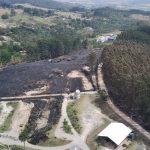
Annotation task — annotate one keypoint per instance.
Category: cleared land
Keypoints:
(8, 108)
(140, 17)
(31, 76)
(91, 119)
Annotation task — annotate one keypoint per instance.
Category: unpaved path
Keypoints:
(20, 119)
(15, 98)
(59, 132)
(10, 139)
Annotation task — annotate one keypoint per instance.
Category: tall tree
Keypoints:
(24, 136)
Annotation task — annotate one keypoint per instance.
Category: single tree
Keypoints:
(24, 136)
(91, 60)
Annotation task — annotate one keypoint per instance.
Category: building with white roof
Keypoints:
(116, 132)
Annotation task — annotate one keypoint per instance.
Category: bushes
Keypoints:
(73, 116)
(127, 76)
(5, 16)
(31, 132)
(66, 126)
(7, 123)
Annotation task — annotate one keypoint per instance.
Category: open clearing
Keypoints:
(20, 118)
(140, 17)
(90, 116)
(69, 14)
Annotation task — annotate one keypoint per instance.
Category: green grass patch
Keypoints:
(3, 147)
(73, 116)
(8, 121)
(66, 126)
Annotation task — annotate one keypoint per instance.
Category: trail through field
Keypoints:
(20, 119)
(5, 111)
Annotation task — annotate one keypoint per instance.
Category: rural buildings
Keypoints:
(106, 38)
(115, 132)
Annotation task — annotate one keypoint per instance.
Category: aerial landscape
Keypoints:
(74, 75)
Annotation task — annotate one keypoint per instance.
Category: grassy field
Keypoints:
(53, 141)
(8, 121)
(73, 114)
(32, 19)
(21, 17)
(140, 17)
(71, 15)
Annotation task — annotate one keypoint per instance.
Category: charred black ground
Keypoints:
(16, 79)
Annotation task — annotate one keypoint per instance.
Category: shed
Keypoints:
(116, 132)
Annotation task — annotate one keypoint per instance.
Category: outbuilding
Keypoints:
(115, 132)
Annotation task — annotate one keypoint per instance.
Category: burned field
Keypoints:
(44, 115)
(43, 77)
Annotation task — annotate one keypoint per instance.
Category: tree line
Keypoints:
(127, 76)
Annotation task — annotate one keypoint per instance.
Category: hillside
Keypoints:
(124, 4)
(51, 4)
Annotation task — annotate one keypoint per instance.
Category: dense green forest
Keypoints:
(126, 67)
(141, 35)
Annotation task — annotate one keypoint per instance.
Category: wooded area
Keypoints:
(127, 75)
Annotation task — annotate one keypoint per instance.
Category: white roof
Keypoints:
(116, 132)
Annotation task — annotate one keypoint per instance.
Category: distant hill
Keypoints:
(124, 4)
(51, 4)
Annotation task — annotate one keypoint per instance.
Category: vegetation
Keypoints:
(141, 35)
(126, 74)
(103, 95)
(44, 3)
(50, 33)
(10, 53)
(66, 126)
(24, 136)
(38, 12)
(92, 60)
(5, 16)
(7, 123)
(73, 116)
(41, 136)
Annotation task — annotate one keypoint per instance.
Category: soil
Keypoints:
(20, 118)
(85, 82)
(90, 115)
(15, 80)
